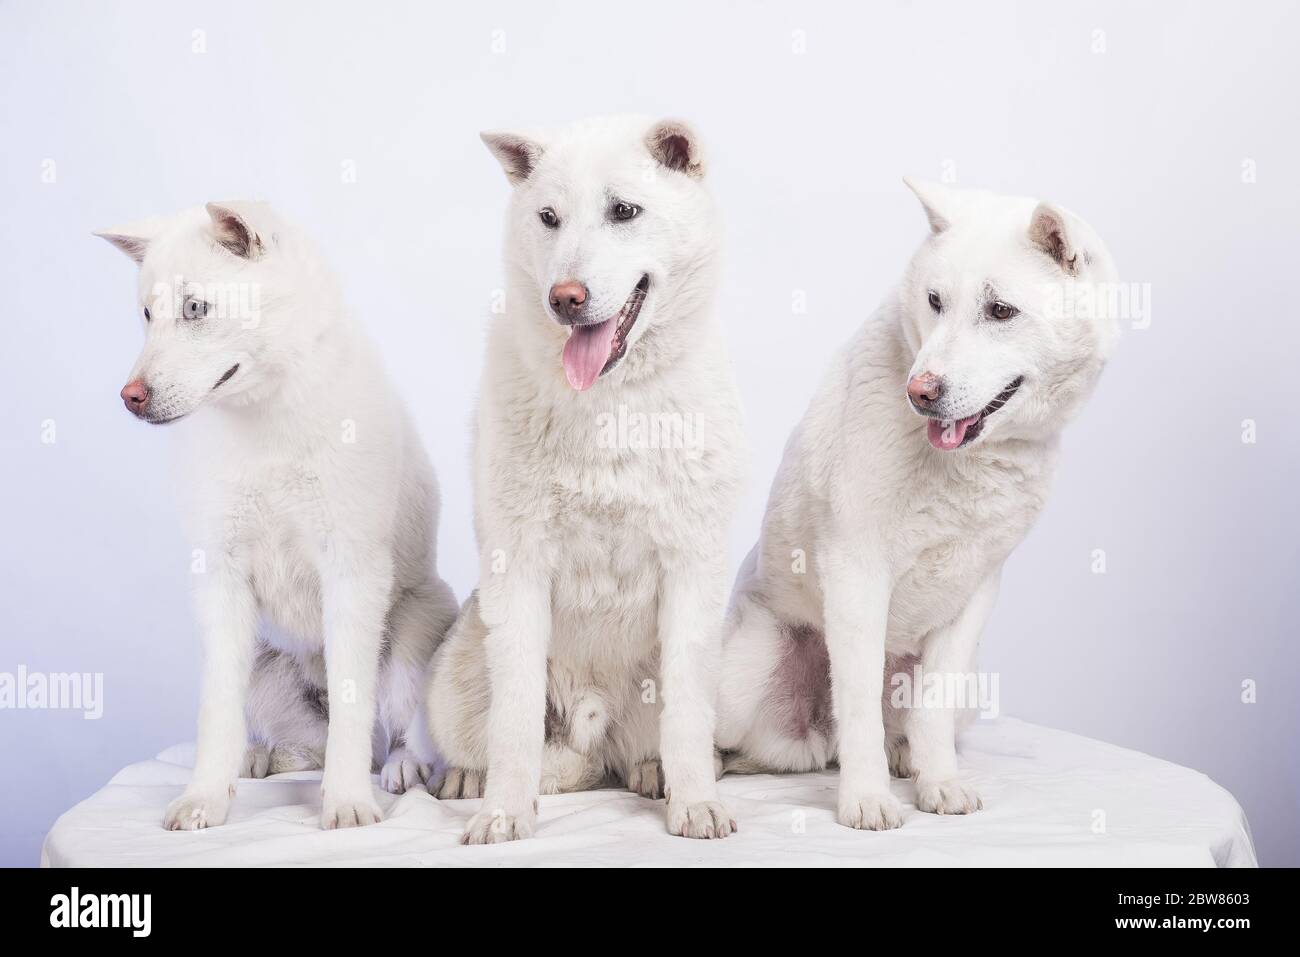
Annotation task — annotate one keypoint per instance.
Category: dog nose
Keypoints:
(925, 390)
(135, 395)
(567, 299)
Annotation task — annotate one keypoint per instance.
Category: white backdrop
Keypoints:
(1171, 127)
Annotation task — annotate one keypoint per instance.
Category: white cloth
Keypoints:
(1050, 798)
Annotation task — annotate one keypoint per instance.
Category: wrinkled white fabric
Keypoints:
(1050, 798)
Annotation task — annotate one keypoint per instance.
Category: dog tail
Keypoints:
(734, 762)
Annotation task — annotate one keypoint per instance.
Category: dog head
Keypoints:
(999, 311)
(208, 288)
(610, 227)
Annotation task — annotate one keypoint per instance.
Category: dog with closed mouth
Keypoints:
(588, 653)
(922, 461)
(311, 502)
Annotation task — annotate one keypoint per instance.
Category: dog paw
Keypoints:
(402, 773)
(257, 762)
(495, 826)
(647, 779)
(458, 783)
(194, 811)
(947, 797)
(703, 819)
(900, 758)
(348, 810)
(869, 811)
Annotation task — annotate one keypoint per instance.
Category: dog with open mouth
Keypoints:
(311, 506)
(588, 653)
(921, 463)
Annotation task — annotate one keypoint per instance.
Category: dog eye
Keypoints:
(1001, 311)
(549, 218)
(147, 317)
(195, 309)
(935, 302)
(624, 211)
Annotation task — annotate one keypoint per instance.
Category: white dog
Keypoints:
(606, 464)
(920, 464)
(313, 506)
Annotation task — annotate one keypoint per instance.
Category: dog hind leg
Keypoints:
(774, 711)
(457, 699)
(417, 623)
(287, 715)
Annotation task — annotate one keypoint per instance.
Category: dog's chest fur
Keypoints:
(952, 524)
(268, 513)
(615, 514)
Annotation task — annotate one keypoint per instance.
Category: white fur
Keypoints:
(877, 544)
(312, 506)
(589, 649)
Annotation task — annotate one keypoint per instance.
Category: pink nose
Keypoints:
(924, 390)
(567, 299)
(135, 395)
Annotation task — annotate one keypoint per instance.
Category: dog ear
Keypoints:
(133, 246)
(517, 154)
(134, 239)
(940, 202)
(673, 143)
(1054, 231)
(232, 222)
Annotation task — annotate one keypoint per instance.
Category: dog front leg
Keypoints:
(931, 731)
(516, 608)
(856, 595)
(227, 614)
(690, 637)
(356, 590)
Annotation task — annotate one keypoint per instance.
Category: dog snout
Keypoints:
(568, 300)
(135, 396)
(924, 391)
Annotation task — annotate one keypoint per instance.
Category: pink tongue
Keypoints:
(946, 434)
(587, 351)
